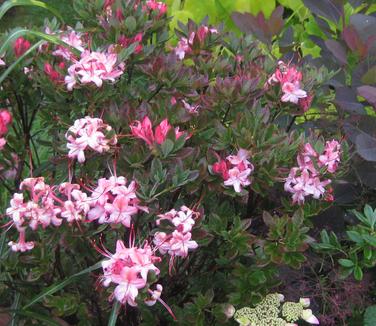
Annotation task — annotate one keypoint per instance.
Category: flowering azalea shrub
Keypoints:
(153, 180)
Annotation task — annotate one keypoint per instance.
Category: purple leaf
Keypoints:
(337, 50)
(346, 100)
(369, 93)
(331, 9)
(366, 147)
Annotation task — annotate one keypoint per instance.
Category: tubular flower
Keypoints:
(88, 133)
(128, 269)
(143, 130)
(289, 79)
(185, 45)
(179, 242)
(46, 205)
(93, 67)
(235, 170)
(73, 39)
(113, 202)
(305, 180)
(5, 120)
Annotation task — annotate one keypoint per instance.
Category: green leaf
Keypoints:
(57, 287)
(358, 273)
(370, 316)
(14, 3)
(346, 263)
(114, 313)
(127, 52)
(354, 236)
(167, 147)
(45, 319)
(370, 239)
(131, 23)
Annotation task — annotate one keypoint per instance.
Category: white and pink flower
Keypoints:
(235, 170)
(88, 133)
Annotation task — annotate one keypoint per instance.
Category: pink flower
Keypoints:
(157, 6)
(143, 130)
(2, 62)
(128, 269)
(74, 40)
(181, 243)
(2, 143)
(88, 133)
(305, 180)
(238, 179)
(52, 74)
(5, 120)
(120, 211)
(191, 109)
(93, 67)
(289, 79)
(292, 92)
(21, 46)
(331, 156)
(112, 202)
(182, 48)
(235, 170)
(155, 295)
(21, 245)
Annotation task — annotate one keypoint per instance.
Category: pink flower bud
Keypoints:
(21, 46)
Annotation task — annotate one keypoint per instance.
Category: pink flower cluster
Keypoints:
(235, 170)
(5, 120)
(113, 202)
(73, 39)
(128, 268)
(45, 206)
(88, 133)
(304, 180)
(184, 45)
(179, 242)
(289, 79)
(156, 6)
(144, 130)
(93, 67)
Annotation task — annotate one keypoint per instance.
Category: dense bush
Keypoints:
(197, 167)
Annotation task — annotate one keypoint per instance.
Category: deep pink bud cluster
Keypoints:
(20, 46)
(144, 130)
(127, 41)
(5, 120)
(128, 268)
(44, 205)
(184, 45)
(304, 180)
(88, 133)
(290, 79)
(113, 202)
(235, 170)
(156, 6)
(179, 242)
(93, 67)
